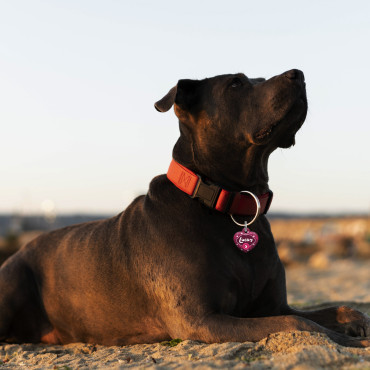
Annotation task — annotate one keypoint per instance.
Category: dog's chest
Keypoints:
(238, 279)
(245, 281)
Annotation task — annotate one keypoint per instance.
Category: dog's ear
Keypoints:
(167, 101)
(183, 94)
(187, 94)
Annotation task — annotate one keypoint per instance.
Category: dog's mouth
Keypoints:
(286, 128)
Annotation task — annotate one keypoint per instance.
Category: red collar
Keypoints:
(214, 196)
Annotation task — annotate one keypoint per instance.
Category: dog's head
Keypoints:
(230, 115)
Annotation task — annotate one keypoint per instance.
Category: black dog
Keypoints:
(168, 267)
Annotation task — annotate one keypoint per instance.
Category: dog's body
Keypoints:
(167, 266)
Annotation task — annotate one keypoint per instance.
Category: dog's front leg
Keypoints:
(217, 328)
(340, 319)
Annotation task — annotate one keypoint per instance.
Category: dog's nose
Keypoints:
(295, 74)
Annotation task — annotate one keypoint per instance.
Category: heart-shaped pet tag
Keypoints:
(245, 240)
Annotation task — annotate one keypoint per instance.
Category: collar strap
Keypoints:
(214, 196)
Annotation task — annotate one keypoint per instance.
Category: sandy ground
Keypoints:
(345, 281)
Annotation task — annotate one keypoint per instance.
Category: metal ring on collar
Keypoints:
(257, 213)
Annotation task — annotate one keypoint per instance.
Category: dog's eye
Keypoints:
(236, 82)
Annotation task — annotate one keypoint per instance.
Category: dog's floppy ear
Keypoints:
(167, 101)
(183, 94)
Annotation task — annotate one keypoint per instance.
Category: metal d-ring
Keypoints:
(255, 216)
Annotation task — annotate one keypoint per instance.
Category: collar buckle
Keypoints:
(207, 193)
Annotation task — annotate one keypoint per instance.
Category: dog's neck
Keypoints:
(246, 171)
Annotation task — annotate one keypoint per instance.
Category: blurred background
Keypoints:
(80, 137)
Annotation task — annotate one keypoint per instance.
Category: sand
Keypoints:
(346, 281)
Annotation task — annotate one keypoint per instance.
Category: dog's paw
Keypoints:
(357, 342)
(349, 341)
(353, 322)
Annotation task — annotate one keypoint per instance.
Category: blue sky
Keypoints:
(78, 80)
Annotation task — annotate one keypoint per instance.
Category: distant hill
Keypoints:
(19, 223)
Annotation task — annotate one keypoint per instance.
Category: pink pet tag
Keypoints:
(245, 240)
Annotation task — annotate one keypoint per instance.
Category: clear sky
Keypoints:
(78, 80)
